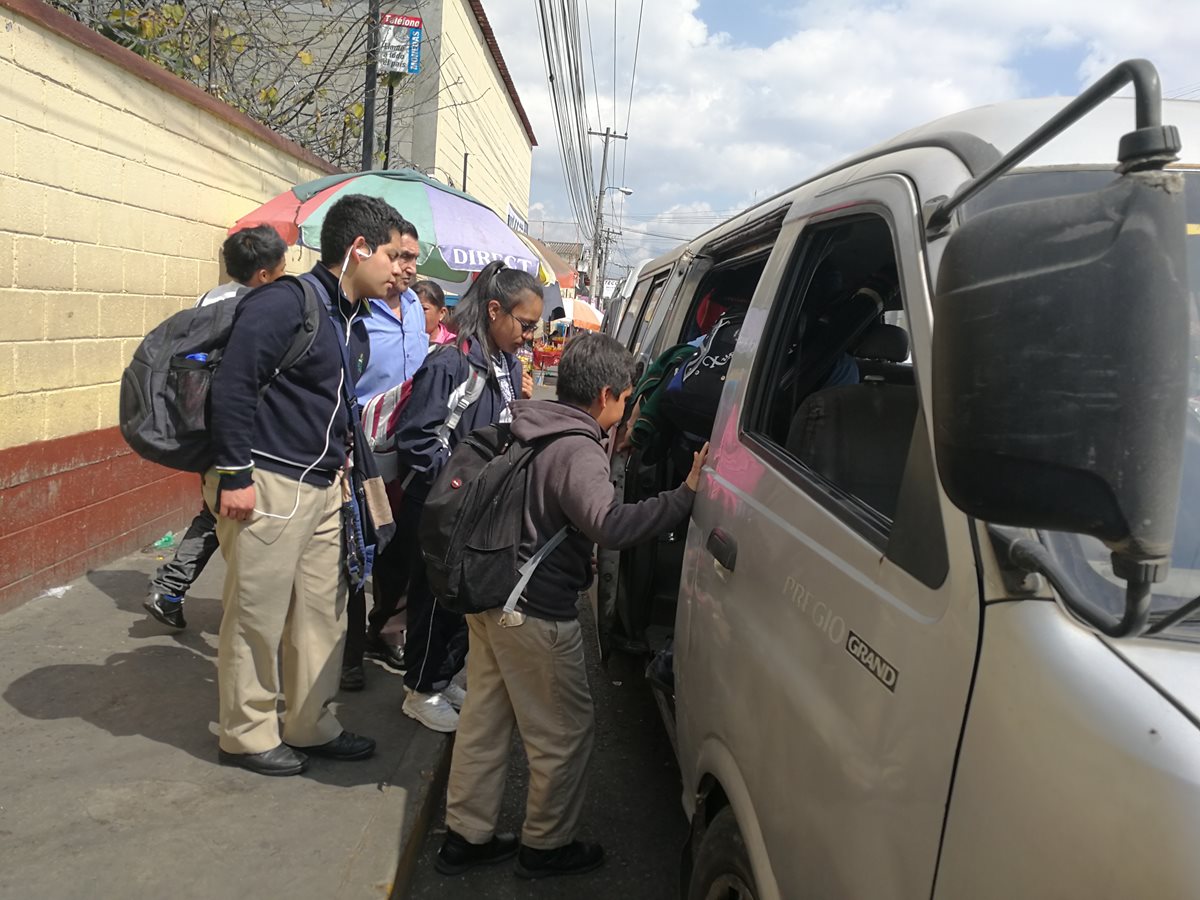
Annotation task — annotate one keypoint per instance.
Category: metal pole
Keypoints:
(368, 146)
(596, 276)
(464, 187)
(211, 31)
(599, 224)
(387, 140)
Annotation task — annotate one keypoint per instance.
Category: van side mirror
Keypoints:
(1060, 364)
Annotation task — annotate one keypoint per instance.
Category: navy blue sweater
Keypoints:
(285, 432)
(417, 445)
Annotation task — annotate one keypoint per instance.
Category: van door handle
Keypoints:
(722, 546)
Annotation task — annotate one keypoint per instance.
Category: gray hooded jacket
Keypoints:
(569, 485)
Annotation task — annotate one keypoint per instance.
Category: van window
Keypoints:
(646, 315)
(632, 311)
(833, 400)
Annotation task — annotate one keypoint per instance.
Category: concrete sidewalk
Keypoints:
(110, 784)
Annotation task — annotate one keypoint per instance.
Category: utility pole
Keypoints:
(597, 277)
(368, 146)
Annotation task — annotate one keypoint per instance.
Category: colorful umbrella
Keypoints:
(580, 314)
(458, 234)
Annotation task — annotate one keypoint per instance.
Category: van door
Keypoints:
(828, 615)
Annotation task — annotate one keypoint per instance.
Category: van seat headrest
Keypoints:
(881, 341)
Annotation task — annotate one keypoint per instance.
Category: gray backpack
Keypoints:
(165, 388)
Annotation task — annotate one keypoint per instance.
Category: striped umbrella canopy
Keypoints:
(580, 314)
(458, 234)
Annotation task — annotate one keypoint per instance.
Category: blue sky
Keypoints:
(735, 100)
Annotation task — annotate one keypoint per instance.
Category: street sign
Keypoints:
(400, 43)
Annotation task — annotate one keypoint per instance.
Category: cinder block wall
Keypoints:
(117, 184)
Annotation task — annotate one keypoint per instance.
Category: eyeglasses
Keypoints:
(526, 327)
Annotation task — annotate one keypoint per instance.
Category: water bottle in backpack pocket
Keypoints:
(188, 380)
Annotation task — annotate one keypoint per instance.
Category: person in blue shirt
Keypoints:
(396, 346)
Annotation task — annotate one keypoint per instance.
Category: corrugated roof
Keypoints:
(490, 37)
(567, 250)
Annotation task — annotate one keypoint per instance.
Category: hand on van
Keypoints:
(699, 458)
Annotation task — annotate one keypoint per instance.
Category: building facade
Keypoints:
(460, 119)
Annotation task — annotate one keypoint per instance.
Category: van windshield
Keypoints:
(1087, 559)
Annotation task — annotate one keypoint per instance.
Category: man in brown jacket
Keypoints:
(528, 670)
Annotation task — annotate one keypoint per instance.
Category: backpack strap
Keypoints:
(526, 571)
(306, 336)
(461, 399)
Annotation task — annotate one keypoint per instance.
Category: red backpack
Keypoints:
(381, 415)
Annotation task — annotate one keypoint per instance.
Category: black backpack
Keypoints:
(470, 530)
(694, 392)
(164, 408)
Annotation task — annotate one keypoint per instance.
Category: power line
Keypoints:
(595, 72)
(637, 45)
(614, 117)
(559, 26)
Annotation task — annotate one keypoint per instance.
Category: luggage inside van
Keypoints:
(844, 371)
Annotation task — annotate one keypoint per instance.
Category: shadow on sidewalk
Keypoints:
(128, 588)
(166, 694)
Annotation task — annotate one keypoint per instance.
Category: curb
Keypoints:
(425, 784)
(389, 847)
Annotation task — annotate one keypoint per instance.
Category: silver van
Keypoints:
(928, 633)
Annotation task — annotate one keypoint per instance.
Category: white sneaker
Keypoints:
(431, 710)
(454, 695)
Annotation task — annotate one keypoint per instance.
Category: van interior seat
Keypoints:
(882, 354)
(818, 345)
(857, 436)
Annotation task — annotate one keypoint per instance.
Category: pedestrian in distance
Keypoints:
(493, 318)
(281, 442)
(253, 257)
(527, 670)
(396, 345)
(433, 301)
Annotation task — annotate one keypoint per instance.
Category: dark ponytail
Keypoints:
(469, 318)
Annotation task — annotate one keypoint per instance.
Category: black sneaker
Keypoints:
(353, 678)
(574, 858)
(458, 854)
(167, 608)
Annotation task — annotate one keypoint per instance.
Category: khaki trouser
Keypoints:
(284, 587)
(532, 676)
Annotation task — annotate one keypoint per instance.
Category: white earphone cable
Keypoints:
(332, 418)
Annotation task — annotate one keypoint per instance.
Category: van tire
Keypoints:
(721, 868)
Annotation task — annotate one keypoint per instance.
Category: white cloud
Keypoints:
(716, 121)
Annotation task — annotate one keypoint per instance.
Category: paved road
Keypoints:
(632, 806)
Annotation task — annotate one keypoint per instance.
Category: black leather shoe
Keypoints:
(346, 746)
(353, 678)
(281, 760)
(167, 610)
(574, 858)
(379, 650)
(458, 854)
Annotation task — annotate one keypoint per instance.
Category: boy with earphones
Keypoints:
(280, 441)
